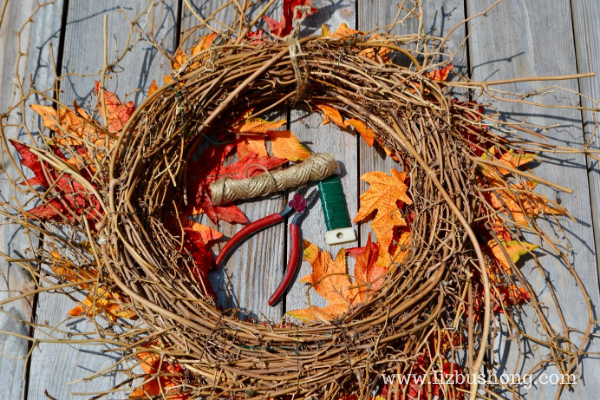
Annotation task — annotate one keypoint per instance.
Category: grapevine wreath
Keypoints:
(430, 287)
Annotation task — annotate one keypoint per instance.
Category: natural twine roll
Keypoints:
(315, 168)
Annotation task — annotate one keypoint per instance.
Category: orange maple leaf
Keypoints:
(398, 251)
(207, 233)
(72, 273)
(153, 88)
(509, 159)
(99, 300)
(515, 160)
(251, 134)
(369, 276)
(344, 31)
(71, 128)
(181, 57)
(386, 196)
(513, 249)
(367, 133)
(381, 51)
(118, 114)
(284, 144)
(104, 301)
(331, 281)
(520, 201)
(440, 74)
(157, 385)
(331, 114)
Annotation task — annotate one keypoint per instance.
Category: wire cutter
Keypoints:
(298, 205)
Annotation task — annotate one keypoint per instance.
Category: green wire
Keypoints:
(179, 99)
(333, 203)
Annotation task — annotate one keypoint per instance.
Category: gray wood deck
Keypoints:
(517, 38)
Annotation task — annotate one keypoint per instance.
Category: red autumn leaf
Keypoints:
(118, 114)
(202, 258)
(200, 174)
(31, 161)
(49, 211)
(78, 200)
(67, 194)
(453, 380)
(255, 38)
(208, 168)
(285, 27)
(251, 165)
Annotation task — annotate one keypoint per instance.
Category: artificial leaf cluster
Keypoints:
(385, 201)
(331, 280)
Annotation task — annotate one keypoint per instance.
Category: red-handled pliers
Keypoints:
(298, 205)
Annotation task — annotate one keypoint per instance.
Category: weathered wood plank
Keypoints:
(438, 18)
(321, 138)
(34, 68)
(520, 39)
(253, 272)
(83, 54)
(587, 46)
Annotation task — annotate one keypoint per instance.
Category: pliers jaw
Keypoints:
(304, 204)
(297, 204)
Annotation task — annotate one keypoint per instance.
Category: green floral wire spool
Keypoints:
(339, 229)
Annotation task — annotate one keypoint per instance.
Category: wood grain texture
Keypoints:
(520, 39)
(438, 18)
(53, 366)
(34, 68)
(587, 46)
(254, 271)
(321, 138)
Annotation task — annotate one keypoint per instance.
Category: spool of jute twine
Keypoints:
(315, 168)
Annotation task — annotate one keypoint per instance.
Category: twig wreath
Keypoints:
(423, 298)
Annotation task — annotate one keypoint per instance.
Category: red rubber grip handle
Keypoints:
(245, 233)
(292, 264)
